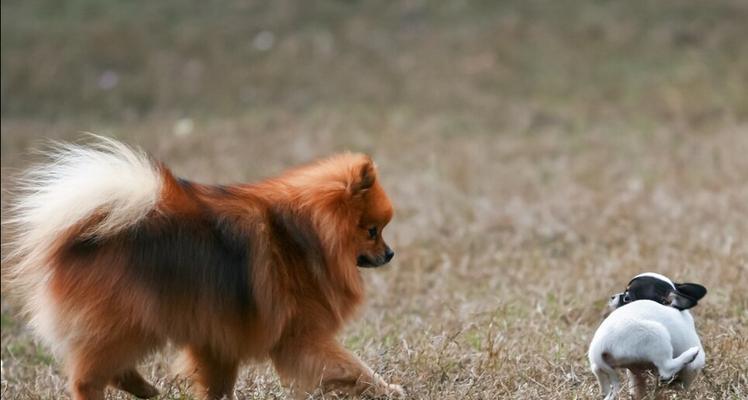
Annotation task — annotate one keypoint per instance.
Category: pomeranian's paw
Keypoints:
(381, 389)
(395, 390)
(388, 391)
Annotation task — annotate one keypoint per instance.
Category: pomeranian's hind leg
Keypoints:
(87, 387)
(88, 377)
(215, 377)
(132, 382)
(93, 365)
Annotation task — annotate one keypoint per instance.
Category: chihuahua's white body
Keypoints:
(645, 335)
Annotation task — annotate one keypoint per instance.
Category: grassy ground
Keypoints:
(539, 155)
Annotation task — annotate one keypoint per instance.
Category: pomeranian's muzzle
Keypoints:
(364, 261)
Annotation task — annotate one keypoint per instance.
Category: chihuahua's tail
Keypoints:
(669, 368)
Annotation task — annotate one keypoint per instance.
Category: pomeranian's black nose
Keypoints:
(388, 254)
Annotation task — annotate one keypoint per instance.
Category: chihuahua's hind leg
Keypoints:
(668, 367)
(691, 371)
(637, 383)
(608, 381)
(687, 375)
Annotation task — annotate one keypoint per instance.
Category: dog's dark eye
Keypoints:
(373, 232)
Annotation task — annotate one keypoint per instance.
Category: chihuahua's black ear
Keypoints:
(686, 295)
(693, 290)
(363, 177)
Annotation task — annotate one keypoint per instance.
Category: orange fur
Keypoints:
(227, 274)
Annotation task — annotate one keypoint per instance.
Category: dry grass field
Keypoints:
(539, 155)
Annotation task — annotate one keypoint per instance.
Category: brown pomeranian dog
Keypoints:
(113, 256)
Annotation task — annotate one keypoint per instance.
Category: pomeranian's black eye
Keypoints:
(373, 232)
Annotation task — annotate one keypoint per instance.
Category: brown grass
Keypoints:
(538, 157)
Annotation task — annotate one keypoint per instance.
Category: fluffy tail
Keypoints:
(103, 187)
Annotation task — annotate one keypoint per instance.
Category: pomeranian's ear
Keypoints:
(362, 177)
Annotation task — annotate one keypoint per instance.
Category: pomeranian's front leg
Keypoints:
(325, 365)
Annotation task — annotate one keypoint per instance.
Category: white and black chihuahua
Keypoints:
(649, 328)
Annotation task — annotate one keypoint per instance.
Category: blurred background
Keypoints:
(539, 153)
(510, 67)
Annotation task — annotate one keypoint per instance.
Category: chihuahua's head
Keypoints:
(659, 288)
